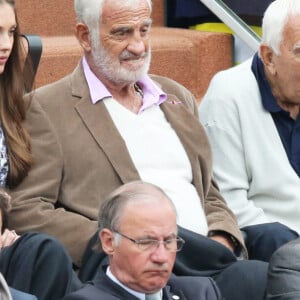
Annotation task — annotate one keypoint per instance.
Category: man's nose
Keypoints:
(137, 43)
(161, 254)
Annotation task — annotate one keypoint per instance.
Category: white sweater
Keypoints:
(250, 163)
(160, 158)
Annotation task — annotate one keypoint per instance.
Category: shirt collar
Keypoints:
(97, 89)
(152, 93)
(140, 296)
(268, 100)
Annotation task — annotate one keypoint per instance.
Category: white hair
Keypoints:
(89, 12)
(274, 20)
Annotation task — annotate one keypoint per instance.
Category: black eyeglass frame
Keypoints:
(153, 243)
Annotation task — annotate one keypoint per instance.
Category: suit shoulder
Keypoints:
(173, 88)
(284, 253)
(89, 292)
(196, 287)
(51, 89)
(234, 77)
(169, 85)
(231, 88)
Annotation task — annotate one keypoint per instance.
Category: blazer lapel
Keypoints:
(168, 294)
(105, 284)
(99, 123)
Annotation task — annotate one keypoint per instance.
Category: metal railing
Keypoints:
(234, 22)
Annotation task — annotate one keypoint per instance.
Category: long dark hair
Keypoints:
(13, 86)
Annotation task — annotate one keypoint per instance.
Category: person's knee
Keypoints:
(284, 272)
(263, 239)
(277, 229)
(269, 232)
(54, 248)
(251, 271)
(48, 248)
(246, 279)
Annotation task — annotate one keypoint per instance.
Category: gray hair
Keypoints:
(112, 208)
(274, 21)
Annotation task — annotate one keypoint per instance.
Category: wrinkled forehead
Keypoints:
(149, 216)
(143, 205)
(114, 12)
(291, 31)
(131, 3)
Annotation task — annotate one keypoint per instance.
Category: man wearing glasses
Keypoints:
(138, 232)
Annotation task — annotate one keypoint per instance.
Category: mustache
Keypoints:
(128, 55)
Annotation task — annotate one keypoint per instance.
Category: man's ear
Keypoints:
(267, 56)
(83, 36)
(107, 238)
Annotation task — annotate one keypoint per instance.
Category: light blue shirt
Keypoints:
(18, 295)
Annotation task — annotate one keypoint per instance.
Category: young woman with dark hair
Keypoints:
(34, 263)
(16, 158)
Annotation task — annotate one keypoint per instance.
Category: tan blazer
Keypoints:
(80, 157)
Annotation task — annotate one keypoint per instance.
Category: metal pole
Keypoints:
(234, 22)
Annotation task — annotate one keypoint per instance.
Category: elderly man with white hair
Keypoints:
(251, 115)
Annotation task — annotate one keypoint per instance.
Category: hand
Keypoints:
(225, 241)
(8, 238)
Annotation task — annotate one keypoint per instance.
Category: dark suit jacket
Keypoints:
(185, 288)
(284, 272)
(80, 157)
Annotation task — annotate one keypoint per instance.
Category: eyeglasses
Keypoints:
(171, 244)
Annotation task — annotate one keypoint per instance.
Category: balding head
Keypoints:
(112, 208)
(138, 231)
